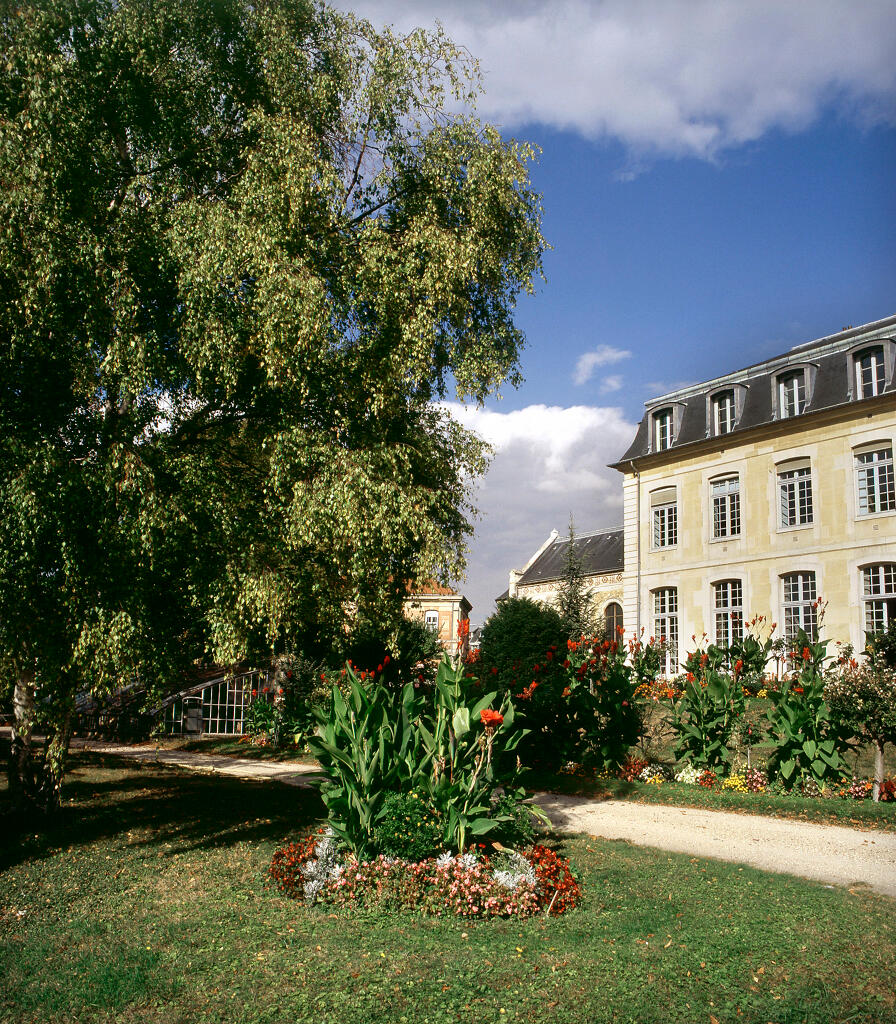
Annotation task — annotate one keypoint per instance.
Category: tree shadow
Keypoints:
(105, 797)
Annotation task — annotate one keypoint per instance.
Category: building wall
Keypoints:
(451, 610)
(834, 546)
(605, 589)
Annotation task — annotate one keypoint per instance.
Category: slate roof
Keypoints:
(601, 552)
(830, 357)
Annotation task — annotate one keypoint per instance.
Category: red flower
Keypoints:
(255, 693)
(494, 671)
(491, 719)
(386, 660)
(807, 654)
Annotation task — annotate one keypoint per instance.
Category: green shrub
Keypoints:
(409, 827)
(707, 712)
(809, 742)
(515, 639)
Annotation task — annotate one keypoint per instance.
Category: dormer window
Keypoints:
(869, 372)
(792, 394)
(723, 412)
(662, 430)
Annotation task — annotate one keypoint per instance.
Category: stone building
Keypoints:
(768, 490)
(442, 610)
(600, 554)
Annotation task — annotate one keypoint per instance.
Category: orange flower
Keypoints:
(807, 654)
(491, 719)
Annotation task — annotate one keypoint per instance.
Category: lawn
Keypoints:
(148, 902)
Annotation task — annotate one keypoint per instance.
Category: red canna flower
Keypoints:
(491, 719)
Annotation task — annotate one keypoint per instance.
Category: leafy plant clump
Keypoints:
(409, 827)
(449, 746)
(478, 883)
(705, 715)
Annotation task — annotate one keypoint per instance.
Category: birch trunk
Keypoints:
(21, 774)
(878, 770)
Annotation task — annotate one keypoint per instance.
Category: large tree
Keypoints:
(244, 249)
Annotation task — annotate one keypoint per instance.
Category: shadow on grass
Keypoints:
(105, 797)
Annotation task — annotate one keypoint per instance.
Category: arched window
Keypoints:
(613, 620)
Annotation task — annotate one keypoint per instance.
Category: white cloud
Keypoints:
(549, 461)
(611, 383)
(603, 355)
(679, 77)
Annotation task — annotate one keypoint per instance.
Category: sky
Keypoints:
(718, 186)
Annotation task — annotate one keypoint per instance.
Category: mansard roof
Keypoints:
(600, 552)
(828, 359)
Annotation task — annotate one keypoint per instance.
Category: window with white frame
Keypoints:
(800, 604)
(665, 624)
(879, 596)
(431, 620)
(875, 485)
(729, 611)
(662, 430)
(792, 393)
(664, 513)
(869, 371)
(795, 496)
(725, 507)
(723, 412)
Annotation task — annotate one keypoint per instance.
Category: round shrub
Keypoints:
(409, 828)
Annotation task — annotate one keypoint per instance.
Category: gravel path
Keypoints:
(824, 853)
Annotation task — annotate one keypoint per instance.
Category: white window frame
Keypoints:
(664, 518)
(725, 510)
(663, 429)
(431, 621)
(728, 610)
(795, 498)
(875, 371)
(613, 619)
(800, 603)
(875, 481)
(792, 393)
(878, 596)
(665, 624)
(724, 412)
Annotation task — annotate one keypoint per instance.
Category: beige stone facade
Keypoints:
(442, 610)
(767, 491)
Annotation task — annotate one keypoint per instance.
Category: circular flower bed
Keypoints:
(479, 883)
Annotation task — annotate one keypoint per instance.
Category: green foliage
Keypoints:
(880, 648)
(573, 598)
(809, 742)
(243, 247)
(260, 717)
(409, 827)
(407, 651)
(379, 741)
(515, 639)
(706, 714)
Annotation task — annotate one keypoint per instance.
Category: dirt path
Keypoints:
(824, 853)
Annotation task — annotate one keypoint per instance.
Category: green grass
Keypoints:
(147, 902)
(235, 746)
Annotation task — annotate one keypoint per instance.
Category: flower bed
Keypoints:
(479, 883)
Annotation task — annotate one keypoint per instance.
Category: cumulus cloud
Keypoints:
(549, 461)
(603, 355)
(673, 77)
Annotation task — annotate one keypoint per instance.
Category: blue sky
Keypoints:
(718, 186)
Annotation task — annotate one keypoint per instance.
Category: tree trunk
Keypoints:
(878, 770)
(54, 765)
(21, 774)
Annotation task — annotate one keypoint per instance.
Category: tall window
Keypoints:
(874, 481)
(729, 607)
(665, 624)
(795, 496)
(725, 507)
(879, 594)
(800, 610)
(723, 412)
(792, 394)
(665, 517)
(869, 370)
(662, 430)
(432, 621)
(613, 620)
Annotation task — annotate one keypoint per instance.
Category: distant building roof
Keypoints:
(600, 552)
(832, 385)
